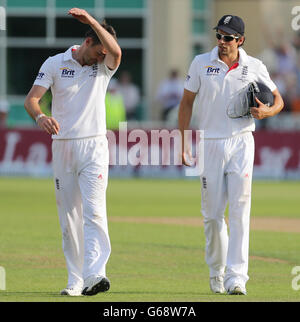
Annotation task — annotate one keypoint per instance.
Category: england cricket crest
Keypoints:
(244, 74)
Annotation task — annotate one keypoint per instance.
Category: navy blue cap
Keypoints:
(231, 24)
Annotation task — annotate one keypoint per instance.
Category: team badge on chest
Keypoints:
(244, 74)
(94, 70)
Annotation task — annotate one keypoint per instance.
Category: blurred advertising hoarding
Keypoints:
(27, 152)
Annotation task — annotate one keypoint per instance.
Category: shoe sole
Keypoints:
(102, 286)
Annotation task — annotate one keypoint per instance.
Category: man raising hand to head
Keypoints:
(78, 79)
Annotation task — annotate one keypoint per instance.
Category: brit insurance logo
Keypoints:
(212, 70)
(67, 72)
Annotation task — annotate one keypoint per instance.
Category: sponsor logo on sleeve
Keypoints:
(40, 75)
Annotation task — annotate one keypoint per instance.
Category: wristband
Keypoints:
(39, 116)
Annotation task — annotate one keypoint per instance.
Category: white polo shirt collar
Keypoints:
(214, 56)
(68, 54)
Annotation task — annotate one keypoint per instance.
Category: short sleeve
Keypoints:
(192, 81)
(264, 77)
(109, 72)
(45, 75)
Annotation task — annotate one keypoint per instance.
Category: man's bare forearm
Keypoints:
(32, 107)
(278, 104)
(185, 111)
(263, 111)
(184, 119)
(106, 39)
(31, 104)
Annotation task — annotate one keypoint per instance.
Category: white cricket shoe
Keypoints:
(71, 291)
(237, 289)
(95, 284)
(217, 284)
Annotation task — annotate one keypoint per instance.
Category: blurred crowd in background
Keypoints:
(123, 99)
(124, 96)
(283, 63)
(281, 59)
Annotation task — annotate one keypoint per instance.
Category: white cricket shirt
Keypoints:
(216, 84)
(78, 95)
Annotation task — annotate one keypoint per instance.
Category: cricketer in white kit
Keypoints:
(78, 79)
(214, 78)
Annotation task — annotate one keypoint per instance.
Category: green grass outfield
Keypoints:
(151, 261)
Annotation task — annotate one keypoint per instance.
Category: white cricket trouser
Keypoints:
(227, 178)
(80, 169)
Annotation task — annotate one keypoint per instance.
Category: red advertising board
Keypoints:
(28, 152)
(277, 154)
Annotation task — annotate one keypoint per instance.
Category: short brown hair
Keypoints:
(92, 34)
(239, 35)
